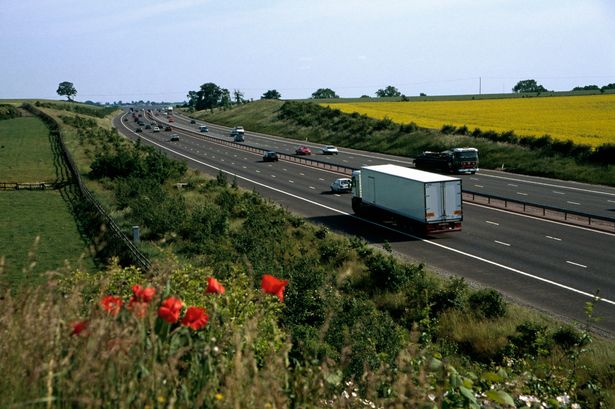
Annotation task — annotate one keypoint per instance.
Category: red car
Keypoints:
(303, 150)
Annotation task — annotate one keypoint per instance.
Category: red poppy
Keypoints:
(274, 286)
(143, 294)
(214, 287)
(111, 304)
(195, 318)
(79, 327)
(169, 309)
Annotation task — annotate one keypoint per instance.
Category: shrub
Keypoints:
(487, 303)
(452, 296)
(448, 129)
(530, 340)
(462, 130)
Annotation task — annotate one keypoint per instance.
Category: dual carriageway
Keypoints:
(552, 266)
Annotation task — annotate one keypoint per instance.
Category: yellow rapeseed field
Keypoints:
(588, 119)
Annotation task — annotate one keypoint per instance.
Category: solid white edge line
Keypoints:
(575, 264)
(463, 253)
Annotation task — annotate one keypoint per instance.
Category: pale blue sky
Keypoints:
(159, 50)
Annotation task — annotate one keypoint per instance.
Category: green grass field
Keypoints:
(26, 156)
(25, 153)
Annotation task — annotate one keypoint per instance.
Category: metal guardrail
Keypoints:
(542, 211)
(138, 257)
(533, 209)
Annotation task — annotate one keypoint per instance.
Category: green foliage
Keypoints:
(389, 91)
(271, 94)
(488, 303)
(67, 89)
(528, 86)
(530, 340)
(324, 93)
(209, 96)
(8, 112)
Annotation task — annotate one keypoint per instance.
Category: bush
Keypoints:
(487, 303)
(448, 129)
(530, 340)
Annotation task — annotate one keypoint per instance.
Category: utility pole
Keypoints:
(480, 85)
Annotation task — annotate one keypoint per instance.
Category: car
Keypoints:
(270, 156)
(138, 130)
(148, 126)
(203, 128)
(303, 150)
(168, 128)
(341, 185)
(174, 137)
(156, 129)
(192, 121)
(171, 120)
(329, 150)
(237, 131)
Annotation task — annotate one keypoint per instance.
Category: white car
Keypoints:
(156, 129)
(329, 150)
(341, 185)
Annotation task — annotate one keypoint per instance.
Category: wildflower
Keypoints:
(79, 327)
(141, 294)
(219, 396)
(274, 286)
(111, 304)
(214, 287)
(169, 310)
(195, 318)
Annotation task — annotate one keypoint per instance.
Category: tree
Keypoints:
(67, 89)
(389, 91)
(528, 86)
(271, 94)
(587, 88)
(209, 96)
(324, 93)
(238, 95)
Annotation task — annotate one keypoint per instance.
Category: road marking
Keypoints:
(502, 243)
(245, 167)
(576, 264)
(490, 222)
(302, 174)
(479, 186)
(284, 169)
(291, 181)
(335, 194)
(558, 193)
(474, 179)
(548, 184)
(258, 171)
(522, 194)
(321, 179)
(417, 238)
(611, 201)
(273, 176)
(312, 187)
(574, 203)
(554, 238)
(513, 185)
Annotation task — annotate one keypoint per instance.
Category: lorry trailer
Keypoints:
(416, 200)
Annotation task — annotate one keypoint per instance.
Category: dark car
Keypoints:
(168, 128)
(138, 130)
(192, 121)
(270, 156)
(174, 137)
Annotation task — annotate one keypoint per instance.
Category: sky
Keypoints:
(159, 50)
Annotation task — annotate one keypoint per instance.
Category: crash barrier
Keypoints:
(135, 254)
(533, 209)
(542, 211)
(31, 185)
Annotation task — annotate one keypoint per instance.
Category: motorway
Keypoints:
(553, 267)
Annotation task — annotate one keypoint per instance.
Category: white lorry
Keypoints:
(413, 199)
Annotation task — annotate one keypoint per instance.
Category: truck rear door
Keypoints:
(434, 205)
(452, 200)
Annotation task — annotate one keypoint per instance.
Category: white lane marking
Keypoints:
(558, 193)
(522, 194)
(539, 219)
(548, 184)
(321, 179)
(417, 238)
(576, 264)
(553, 238)
(312, 187)
(490, 222)
(502, 243)
(291, 181)
(513, 185)
(258, 171)
(611, 201)
(479, 186)
(245, 167)
(474, 179)
(302, 174)
(284, 169)
(273, 176)
(574, 203)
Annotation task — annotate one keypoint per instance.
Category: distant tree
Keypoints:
(528, 86)
(238, 95)
(67, 89)
(609, 86)
(587, 88)
(364, 96)
(271, 94)
(389, 91)
(324, 93)
(209, 96)
(422, 94)
(225, 98)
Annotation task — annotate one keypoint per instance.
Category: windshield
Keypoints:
(469, 155)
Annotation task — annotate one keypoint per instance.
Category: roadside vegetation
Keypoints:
(307, 318)
(541, 156)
